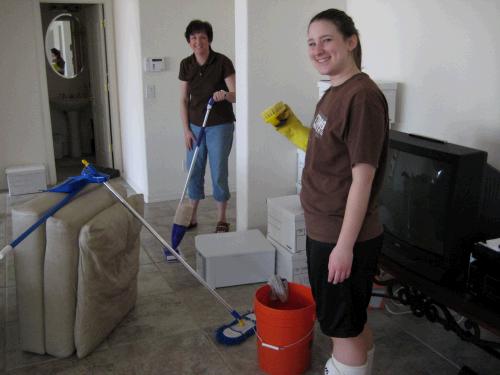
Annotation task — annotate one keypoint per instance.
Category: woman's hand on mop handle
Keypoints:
(220, 95)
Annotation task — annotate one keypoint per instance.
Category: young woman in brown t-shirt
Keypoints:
(345, 158)
(343, 169)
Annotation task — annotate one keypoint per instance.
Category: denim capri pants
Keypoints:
(216, 144)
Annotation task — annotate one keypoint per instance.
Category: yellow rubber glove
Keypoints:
(284, 120)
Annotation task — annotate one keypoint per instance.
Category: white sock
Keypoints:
(369, 360)
(341, 369)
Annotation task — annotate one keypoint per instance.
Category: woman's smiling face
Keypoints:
(329, 50)
(199, 43)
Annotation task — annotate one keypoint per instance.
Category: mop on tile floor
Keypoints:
(243, 325)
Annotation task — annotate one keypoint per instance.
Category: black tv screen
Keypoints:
(429, 205)
(415, 200)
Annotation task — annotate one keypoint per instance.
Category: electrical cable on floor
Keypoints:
(396, 302)
(458, 318)
(387, 308)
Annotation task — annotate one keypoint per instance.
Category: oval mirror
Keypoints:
(64, 45)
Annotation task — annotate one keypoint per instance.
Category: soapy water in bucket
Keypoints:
(288, 305)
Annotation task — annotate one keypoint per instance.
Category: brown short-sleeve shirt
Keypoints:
(350, 126)
(203, 81)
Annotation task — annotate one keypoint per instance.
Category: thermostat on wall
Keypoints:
(155, 64)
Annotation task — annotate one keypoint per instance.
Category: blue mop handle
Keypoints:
(71, 186)
(200, 137)
(174, 253)
(210, 104)
(7, 249)
(236, 315)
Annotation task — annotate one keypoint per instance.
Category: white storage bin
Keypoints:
(234, 258)
(285, 222)
(390, 90)
(291, 266)
(26, 179)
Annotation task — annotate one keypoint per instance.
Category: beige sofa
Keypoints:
(76, 275)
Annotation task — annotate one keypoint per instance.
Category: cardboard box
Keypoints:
(234, 258)
(291, 266)
(26, 179)
(285, 222)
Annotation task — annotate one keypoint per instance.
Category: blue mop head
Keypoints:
(235, 332)
(74, 184)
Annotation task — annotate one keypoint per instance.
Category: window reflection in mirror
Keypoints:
(63, 45)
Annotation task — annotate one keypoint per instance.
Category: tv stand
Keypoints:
(434, 302)
(427, 267)
(433, 267)
(425, 138)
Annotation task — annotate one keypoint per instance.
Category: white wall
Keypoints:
(162, 35)
(277, 68)
(128, 57)
(21, 115)
(446, 55)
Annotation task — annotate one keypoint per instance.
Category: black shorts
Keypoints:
(341, 308)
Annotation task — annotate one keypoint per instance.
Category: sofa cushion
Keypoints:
(29, 258)
(107, 273)
(61, 266)
(28, 261)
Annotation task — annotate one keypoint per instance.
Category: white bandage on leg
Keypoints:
(334, 367)
(369, 359)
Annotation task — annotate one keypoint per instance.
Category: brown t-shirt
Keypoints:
(203, 81)
(350, 126)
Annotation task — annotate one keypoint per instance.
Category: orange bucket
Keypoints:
(285, 330)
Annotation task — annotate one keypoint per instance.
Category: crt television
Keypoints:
(430, 204)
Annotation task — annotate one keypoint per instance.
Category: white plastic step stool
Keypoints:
(234, 258)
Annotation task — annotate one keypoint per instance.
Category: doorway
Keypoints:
(77, 82)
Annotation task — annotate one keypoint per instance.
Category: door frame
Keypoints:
(112, 82)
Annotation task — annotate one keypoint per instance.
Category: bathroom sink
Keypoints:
(70, 104)
(72, 107)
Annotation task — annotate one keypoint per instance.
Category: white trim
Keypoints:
(44, 93)
(113, 86)
(241, 133)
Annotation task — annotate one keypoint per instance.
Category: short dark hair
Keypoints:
(345, 25)
(197, 26)
(56, 52)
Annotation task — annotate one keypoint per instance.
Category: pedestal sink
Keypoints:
(72, 106)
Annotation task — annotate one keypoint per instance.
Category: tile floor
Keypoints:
(170, 331)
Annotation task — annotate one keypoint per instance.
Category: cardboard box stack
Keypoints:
(286, 231)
